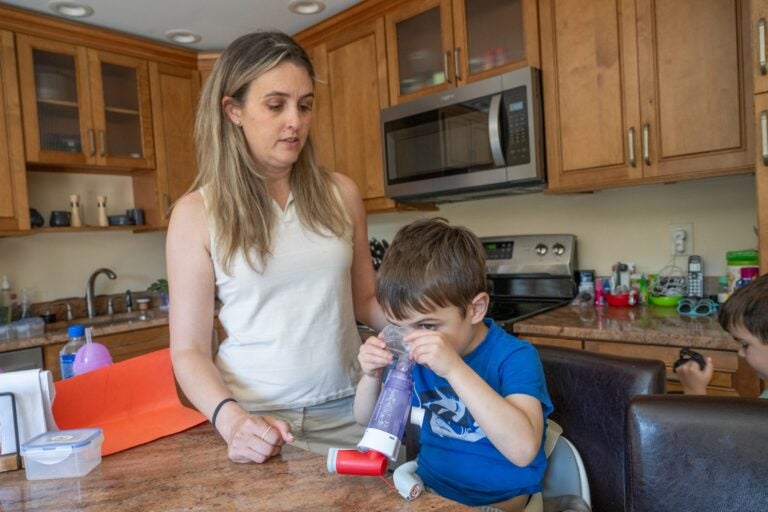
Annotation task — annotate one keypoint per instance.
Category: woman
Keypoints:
(284, 247)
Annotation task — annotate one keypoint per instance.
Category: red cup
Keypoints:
(619, 300)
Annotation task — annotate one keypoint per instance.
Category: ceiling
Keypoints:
(219, 22)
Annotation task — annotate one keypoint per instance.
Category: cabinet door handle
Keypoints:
(631, 144)
(92, 141)
(445, 67)
(761, 45)
(102, 143)
(646, 151)
(456, 65)
(764, 135)
(166, 205)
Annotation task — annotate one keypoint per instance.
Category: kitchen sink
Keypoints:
(97, 321)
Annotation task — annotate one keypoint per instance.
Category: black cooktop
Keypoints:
(505, 311)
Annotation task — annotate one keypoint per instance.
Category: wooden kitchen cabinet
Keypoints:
(174, 91)
(350, 93)
(759, 17)
(14, 208)
(759, 44)
(644, 91)
(438, 44)
(761, 176)
(732, 376)
(84, 107)
(122, 346)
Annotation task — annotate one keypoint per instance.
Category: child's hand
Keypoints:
(374, 357)
(433, 350)
(693, 378)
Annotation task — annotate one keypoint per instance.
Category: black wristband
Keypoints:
(217, 409)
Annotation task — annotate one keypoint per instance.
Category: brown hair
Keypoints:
(431, 264)
(236, 194)
(748, 307)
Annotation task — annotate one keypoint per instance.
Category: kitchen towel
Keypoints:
(134, 402)
(34, 391)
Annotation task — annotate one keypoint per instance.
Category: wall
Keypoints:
(629, 224)
(57, 265)
(623, 224)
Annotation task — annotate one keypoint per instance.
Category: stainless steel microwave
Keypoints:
(479, 139)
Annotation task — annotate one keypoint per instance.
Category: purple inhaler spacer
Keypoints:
(390, 415)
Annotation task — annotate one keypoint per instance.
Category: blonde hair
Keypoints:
(236, 193)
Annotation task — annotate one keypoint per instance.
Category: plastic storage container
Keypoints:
(28, 328)
(736, 260)
(62, 454)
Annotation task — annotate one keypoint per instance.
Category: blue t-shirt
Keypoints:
(456, 459)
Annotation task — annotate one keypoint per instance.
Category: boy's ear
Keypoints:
(479, 307)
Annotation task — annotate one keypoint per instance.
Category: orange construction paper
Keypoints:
(133, 402)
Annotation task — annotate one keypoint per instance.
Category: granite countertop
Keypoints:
(190, 471)
(638, 324)
(102, 325)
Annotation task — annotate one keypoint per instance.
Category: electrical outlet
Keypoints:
(681, 239)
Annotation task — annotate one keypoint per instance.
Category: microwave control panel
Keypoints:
(516, 110)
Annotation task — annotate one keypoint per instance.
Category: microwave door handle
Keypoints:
(494, 131)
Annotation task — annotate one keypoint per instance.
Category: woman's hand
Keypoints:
(374, 357)
(253, 438)
(433, 350)
(693, 378)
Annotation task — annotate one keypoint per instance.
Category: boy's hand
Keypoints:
(374, 357)
(693, 378)
(433, 350)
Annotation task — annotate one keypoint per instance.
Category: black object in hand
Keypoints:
(687, 354)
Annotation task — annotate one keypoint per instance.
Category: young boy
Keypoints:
(483, 390)
(745, 316)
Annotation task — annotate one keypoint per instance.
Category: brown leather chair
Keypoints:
(591, 393)
(697, 453)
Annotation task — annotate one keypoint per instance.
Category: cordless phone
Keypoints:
(695, 277)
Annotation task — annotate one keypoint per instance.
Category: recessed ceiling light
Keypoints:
(183, 36)
(306, 6)
(71, 9)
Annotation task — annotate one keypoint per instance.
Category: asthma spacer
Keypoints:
(353, 462)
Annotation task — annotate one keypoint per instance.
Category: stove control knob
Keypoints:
(558, 249)
(541, 249)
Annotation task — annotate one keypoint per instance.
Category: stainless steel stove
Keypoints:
(529, 274)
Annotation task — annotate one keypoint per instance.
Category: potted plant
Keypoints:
(160, 286)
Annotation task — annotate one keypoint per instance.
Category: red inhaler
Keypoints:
(354, 462)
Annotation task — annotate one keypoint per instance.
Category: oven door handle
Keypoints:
(494, 131)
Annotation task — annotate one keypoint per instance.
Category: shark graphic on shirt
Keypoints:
(448, 416)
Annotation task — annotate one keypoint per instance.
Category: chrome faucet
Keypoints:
(89, 289)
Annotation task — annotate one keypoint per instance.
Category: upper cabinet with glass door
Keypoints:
(438, 44)
(84, 107)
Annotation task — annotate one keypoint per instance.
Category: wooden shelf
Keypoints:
(82, 229)
(118, 110)
(58, 103)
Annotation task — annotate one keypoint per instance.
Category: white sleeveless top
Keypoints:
(292, 339)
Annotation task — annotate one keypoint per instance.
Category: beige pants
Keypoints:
(319, 427)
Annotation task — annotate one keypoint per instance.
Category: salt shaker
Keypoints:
(101, 206)
(74, 205)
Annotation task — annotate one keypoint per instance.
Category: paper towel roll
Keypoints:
(34, 393)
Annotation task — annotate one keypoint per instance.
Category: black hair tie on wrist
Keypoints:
(217, 409)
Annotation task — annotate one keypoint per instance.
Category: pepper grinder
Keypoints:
(74, 205)
(101, 206)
